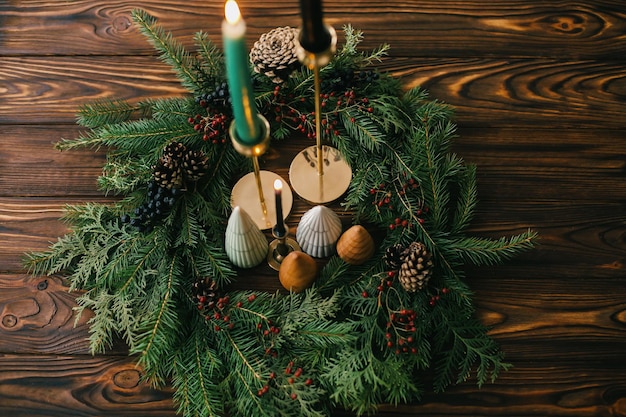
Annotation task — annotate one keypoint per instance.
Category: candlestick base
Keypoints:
(307, 182)
(274, 255)
(245, 194)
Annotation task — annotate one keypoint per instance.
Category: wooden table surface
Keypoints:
(540, 93)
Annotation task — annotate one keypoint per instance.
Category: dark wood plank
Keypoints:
(37, 316)
(521, 28)
(77, 386)
(485, 92)
(55, 386)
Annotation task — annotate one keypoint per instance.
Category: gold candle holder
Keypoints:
(253, 191)
(280, 247)
(319, 174)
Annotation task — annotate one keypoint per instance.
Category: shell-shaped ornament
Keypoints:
(318, 231)
(356, 245)
(246, 246)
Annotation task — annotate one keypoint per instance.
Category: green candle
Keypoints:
(247, 124)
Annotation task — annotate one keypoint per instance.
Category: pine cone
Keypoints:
(167, 173)
(174, 150)
(416, 267)
(195, 164)
(205, 293)
(393, 257)
(274, 54)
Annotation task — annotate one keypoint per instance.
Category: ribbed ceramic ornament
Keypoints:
(356, 245)
(246, 246)
(318, 231)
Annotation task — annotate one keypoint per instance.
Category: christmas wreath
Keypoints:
(152, 266)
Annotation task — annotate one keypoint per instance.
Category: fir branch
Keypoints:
(467, 200)
(172, 52)
(197, 372)
(107, 111)
(463, 345)
(212, 59)
(157, 335)
(484, 251)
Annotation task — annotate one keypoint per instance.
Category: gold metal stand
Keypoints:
(279, 248)
(329, 177)
(253, 191)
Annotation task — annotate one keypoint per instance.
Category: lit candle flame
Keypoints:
(278, 185)
(233, 15)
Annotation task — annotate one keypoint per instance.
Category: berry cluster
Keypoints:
(434, 299)
(401, 332)
(219, 316)
(217, 99)
(291, 378)
(384, 196)
(342, 79)
(158, 205)
(336, 79)
(213, 126)
(286, 110)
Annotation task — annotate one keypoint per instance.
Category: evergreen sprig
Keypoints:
(357, 338)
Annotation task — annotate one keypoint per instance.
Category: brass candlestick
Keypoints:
(319, 174)
(253, 190)
(280, 247)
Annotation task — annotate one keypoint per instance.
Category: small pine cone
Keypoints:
(168, 173)
(205, 293)
(274, 54)
(195, 164)
(393, 256)
(174, 150)
(416, 267)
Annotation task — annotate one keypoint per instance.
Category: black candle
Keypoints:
(279, 229)
(314, 36)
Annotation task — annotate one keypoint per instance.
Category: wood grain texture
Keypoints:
(539, 91)
(513, 28)
(486, 92)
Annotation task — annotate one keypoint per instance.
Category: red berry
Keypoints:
(364, 294)
(252, 297)
(294, 396)
(309, 381)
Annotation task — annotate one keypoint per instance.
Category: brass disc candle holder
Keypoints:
(254, 191)
(319, 174)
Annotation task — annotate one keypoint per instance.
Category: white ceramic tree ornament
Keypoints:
(246, 246)
(318, 231)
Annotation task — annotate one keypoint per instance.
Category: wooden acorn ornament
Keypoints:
(297, 271)
(356, 245)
